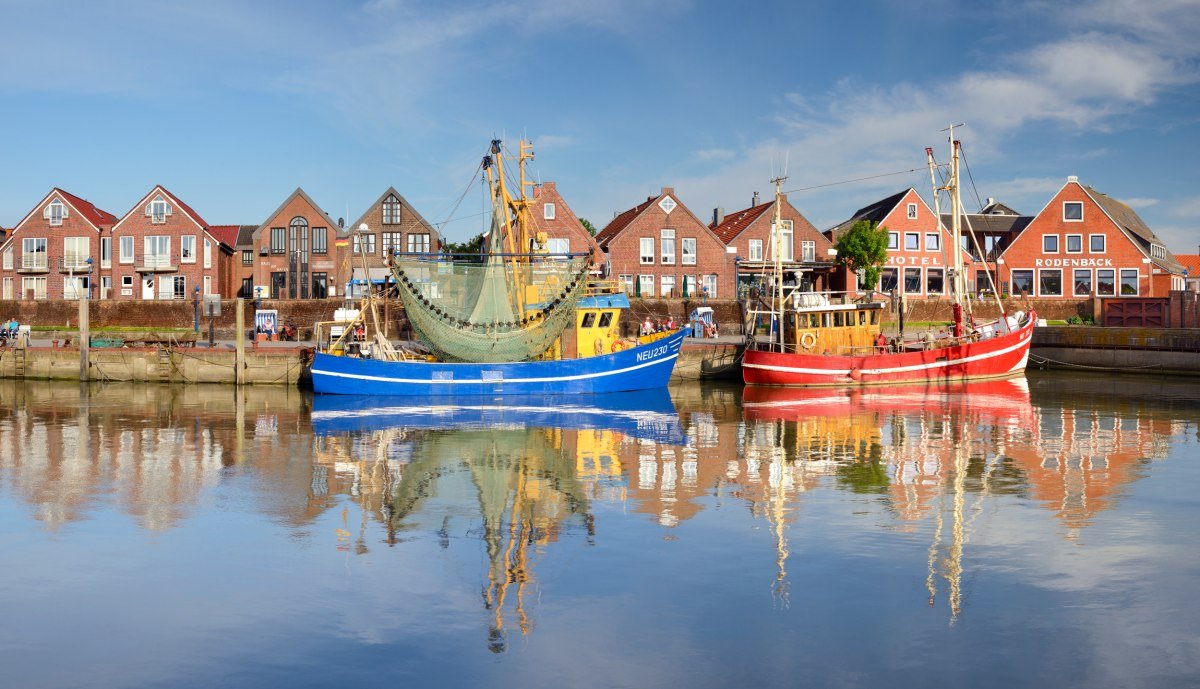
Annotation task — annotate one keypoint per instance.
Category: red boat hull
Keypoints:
(995, 357)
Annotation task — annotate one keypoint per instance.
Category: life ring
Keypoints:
(808, 340)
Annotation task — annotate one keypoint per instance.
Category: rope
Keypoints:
(849, 181)
(1041, 360)
(971, 177)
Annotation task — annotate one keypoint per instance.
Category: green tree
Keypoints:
(587, 225)
(471, 246)
(864, 248)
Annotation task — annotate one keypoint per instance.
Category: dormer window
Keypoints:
(1158, 251)
(548, 211)
(157, 210)
(391, 210)
(55, 212)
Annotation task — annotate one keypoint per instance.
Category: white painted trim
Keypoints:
(1097, 234)
(1057, 241)
(169, 195)
(1037, 276)
(42, 203)
(504, 381)
(1091, 282)
(1064, 211)
(1066, 246)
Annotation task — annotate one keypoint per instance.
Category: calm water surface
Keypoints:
(1038, 533)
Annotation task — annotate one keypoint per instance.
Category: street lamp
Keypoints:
(196, 308)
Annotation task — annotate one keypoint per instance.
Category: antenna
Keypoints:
(786, 156)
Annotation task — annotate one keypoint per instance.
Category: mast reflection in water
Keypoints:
(265, 537)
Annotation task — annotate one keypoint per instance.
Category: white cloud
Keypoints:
(715, 154)
(1187, 208)
(1139, 202)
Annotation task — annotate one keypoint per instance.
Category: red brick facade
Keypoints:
(295, 253)
(664, 226)
(918, 250)
(392, 225)
(1084, 243)
(54, 252)
(749, 234)
(552, 215)
(162, 249)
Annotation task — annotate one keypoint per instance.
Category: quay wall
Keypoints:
(1147, 350)
(276, 366)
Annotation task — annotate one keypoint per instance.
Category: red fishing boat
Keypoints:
(835, 339)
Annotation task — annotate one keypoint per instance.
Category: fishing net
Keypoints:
(491, 310)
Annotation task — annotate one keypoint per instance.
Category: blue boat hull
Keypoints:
(644, 367)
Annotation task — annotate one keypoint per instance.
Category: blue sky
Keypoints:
(232, 104)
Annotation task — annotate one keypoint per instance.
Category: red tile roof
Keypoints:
(613, 228)
(739, 220)
(94, 215)
(186, 208)
(1191, 262)
(226, 234)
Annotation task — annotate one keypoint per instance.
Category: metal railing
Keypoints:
(37, 261)
(75, 262)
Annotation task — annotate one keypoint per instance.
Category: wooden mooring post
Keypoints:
(240, 339)
(85, 339)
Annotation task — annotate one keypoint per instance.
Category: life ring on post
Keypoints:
(808, 340)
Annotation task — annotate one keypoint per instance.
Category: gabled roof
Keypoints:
(991, 224)
(403, 201)
(996, 208)
(614, 227)
(94, 215)
(738, 221)
(1190, 263)
(874, 212)
(245, 236)
(193, 215)
(226, 234)
(1128, 220)
(301, 193)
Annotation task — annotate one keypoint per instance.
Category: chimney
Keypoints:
(1072, 178)
(755, 201)
(718, 216)
(991, 201)
(341, 224)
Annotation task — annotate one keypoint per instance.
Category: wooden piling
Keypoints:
(240, 339)
(85, 339)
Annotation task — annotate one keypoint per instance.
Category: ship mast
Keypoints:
(777, 250)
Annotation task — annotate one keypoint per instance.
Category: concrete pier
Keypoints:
(275, 366)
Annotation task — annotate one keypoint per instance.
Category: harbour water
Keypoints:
(1030, 533)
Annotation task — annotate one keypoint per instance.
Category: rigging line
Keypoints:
(848, 181)
(474, 177)
(971, 177)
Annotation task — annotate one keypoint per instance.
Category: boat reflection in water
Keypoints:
(535, 465)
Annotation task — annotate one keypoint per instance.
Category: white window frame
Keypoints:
(8, 289)
(105, 287)
(1061, 286)
(75, 287)
(1057, 244)
(666, 285)
(127, 248)
(1067, 245)
(8, 257)
(187, 248)
(687, 257)
(1113, 278)
(73, 258)
(548, 211)
(558, 245)
(158, 210)
(808, 251)
(912, 211)
(55, 218)
(127, 281)
(755, 250)
(646, 251)
(917, 235)
(893, 241)
(208, 285)
(1137, 285)
(35, 281)
(160, 257)
(920, 280)
(1075, 281)
(709, 283)
(930, 271)
(645, 280)
(30, 257)
(626, 281)
(207, 252)
(1072, 203)
(787, 238)
(418, 242)
(937, 241)
(1103, 243)
(1033, 284)
(666, 241)
(106, 252)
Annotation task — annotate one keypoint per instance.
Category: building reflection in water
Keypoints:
(536, 469)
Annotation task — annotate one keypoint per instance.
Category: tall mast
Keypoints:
(777, 240)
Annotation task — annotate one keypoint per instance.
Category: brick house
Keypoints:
(661, 248)
(749, 235)
(1084, 243)
(294, 252)
(392, 225)
(162, 249)
(53, 252)
(917, 246)
(566, 234)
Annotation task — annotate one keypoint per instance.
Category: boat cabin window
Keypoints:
(813, 321)
(862, 317)
(824, 320)
(589, 319)
(837, 319)
(874, 318)
(606, 319)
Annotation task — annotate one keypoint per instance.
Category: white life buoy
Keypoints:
(808, 340)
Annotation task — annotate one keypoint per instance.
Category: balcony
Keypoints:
(73, 264)
(156, 263)
(33, 264)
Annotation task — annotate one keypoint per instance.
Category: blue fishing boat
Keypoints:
(513, 319)
(646, 414)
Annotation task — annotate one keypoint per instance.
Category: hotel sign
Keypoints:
(1073, 263)
(935, 260)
